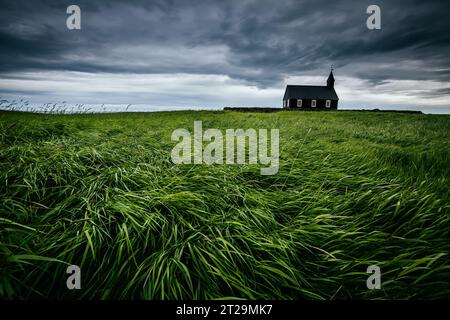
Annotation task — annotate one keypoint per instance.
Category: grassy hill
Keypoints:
(100, 191)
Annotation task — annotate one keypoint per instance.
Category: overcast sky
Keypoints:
(226, 53)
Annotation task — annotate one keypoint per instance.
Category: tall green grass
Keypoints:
(100, 191)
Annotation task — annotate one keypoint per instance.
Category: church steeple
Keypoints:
(330, 81)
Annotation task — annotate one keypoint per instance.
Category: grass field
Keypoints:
(100, 191)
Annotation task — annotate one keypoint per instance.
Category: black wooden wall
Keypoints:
(306, 104)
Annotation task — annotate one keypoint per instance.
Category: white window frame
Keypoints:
(313, 103)
(287, 103)
(328, 104)
(299, 103)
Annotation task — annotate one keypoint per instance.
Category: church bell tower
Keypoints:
(330, 81)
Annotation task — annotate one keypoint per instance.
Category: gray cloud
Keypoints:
(258, 42)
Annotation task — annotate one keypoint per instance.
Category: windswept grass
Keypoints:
(100, 191)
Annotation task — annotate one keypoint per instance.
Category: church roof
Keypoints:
(310, 92)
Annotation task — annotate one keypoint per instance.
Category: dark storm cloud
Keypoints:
(259, 42)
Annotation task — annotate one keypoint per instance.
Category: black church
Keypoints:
(311, 97)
